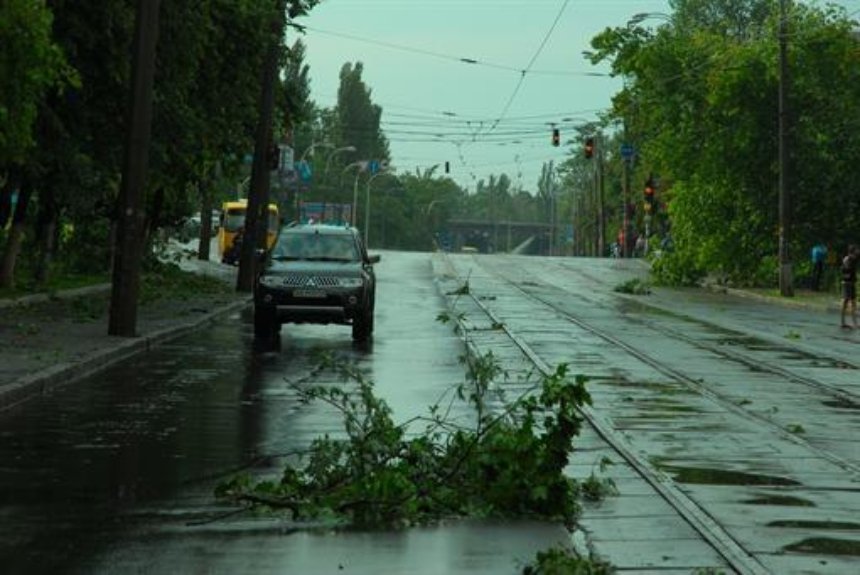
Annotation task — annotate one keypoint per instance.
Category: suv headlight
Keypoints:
(269, 281)
(351, 282)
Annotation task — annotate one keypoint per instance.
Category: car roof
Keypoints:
(327, 229)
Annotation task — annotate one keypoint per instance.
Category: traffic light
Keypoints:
(556, 137)
(649, 194)
(589, 148)
(447, 167)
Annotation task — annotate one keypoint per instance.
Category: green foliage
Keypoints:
(700, 104)
(30, 65)
(634, 286)
(562, 561)
(509, 464)
(167, 281)
(597, 488)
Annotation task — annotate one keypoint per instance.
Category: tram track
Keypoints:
(693, 382)
(699, 517)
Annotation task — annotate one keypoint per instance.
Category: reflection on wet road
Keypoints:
(85, 467)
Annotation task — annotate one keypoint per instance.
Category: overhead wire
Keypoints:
(528, 68)
(461, 59)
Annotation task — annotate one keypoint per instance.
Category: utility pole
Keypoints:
(601, 211)
(129, 251)
(257, 214)
(626, 203)
(785, 269)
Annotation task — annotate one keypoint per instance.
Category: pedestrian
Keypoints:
(819, 255)
(640, 246)
(849, 285)
(235, 253)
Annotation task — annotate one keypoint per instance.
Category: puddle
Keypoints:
(780, 500)
(825, 546)
(841, 404)
(829, 525)
(663, 405)
(709, 476)
(649, 386)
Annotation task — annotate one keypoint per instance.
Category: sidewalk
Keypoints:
(802, 298)
(46, 341)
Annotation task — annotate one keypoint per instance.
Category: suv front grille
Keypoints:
(310, 281)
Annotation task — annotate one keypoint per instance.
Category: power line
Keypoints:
(459, 59)
(528, 68)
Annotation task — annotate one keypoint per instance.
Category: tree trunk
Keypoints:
(127, 264)
(205, 219)
(256, 216)
(47, 234)
(16, 237)
(6, 201)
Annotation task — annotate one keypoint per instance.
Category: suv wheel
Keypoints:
(362, 326)
(265, 326)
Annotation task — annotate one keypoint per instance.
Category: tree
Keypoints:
(31, 64)
(358, 118)
(700, 102)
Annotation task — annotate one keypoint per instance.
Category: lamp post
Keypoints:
(331, 155)
(359, 166)
(309, 152)
(310, 149)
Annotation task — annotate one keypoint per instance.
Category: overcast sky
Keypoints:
(483, 118)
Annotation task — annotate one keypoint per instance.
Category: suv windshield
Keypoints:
(327, 247)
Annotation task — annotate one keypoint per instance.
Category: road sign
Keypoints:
(627, 151)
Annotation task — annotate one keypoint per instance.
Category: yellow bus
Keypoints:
(233, 219)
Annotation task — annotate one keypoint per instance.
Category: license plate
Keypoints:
(309, 293)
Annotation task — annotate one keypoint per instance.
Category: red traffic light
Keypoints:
(556, 137)
(649, 190)
(589, 148)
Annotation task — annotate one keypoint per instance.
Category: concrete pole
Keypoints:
(785, 268)
(126, 269)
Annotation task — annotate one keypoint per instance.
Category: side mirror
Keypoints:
(374, 259)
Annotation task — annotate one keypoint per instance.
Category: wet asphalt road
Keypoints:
(107, 475)
(115, 474)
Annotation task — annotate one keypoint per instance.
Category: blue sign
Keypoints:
(304, 170)
(373, 166)
(627, 151)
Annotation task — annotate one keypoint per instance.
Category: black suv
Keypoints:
(316, 274)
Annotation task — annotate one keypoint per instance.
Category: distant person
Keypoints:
(819, 256)
(849, 285)
(639, 248)
(235, 251)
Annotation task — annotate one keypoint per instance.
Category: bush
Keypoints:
(510, 464)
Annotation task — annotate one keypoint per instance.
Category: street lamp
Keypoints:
(310, 149)
(331, 155)
(359, 166)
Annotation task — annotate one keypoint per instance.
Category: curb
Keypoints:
(823, 307)
(65, 294)
(64, 373)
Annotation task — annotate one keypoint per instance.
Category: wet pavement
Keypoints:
(756, 448)
(741, 413)
(115, 473)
